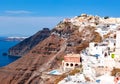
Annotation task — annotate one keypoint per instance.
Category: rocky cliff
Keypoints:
(26, 45)
(66, 37)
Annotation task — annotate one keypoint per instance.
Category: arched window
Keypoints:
(105, 54)
(67, 64)
(76, 65)
(71, 64)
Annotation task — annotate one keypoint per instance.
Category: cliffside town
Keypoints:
(80, 50)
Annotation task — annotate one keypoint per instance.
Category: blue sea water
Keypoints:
(4, 46)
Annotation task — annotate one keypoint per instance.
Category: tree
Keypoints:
(106, 17)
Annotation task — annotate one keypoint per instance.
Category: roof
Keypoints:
(72, 55)
(72, 58)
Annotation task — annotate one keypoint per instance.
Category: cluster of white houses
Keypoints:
(98, 57)
(109, 47)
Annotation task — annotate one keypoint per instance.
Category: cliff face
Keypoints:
(26, 45)
(30, 68)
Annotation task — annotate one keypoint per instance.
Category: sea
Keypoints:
(4, 46)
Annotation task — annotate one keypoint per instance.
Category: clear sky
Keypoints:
(29, 16)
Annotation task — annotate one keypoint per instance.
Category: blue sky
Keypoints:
(29, 16)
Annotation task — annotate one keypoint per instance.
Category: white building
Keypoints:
(98, 49)
(71, 61)
(111, 45)
(117, 50)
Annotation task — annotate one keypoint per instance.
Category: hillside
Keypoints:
(67, 37)
(26, 45)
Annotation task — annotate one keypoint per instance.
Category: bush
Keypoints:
(114, 71)
(73, 72)
(106, 17)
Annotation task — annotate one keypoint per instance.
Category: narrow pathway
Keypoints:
(47, 65)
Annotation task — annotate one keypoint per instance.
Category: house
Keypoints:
(71, 61)
(116, 46)
(117, 50)
(98, 49)
(67, 20)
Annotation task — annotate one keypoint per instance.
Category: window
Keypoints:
(105, 54)
(71, 64)
(76, 64)
(67, 64)
(114, 44)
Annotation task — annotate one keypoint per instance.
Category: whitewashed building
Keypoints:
(117, 50)
(98, 49)
(71, 61)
